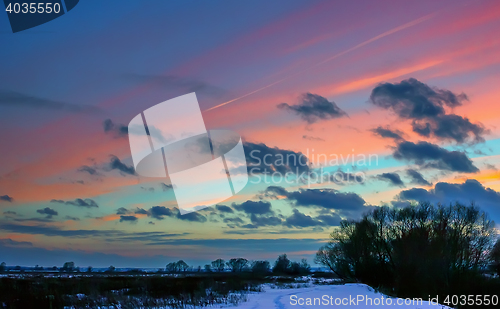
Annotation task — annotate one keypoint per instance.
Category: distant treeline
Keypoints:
(177, 287)
(282, 266)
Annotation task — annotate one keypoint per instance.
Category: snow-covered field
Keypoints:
(328, 296)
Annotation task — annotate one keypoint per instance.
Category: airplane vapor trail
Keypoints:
(378, 37)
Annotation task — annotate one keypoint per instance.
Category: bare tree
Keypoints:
(219, 265)
(237, 264)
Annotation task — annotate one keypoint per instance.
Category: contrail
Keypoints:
(397, 29)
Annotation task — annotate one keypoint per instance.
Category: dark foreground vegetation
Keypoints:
(176, 286)
(418, 251)
(152, 291)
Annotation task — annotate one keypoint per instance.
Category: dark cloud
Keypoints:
(425, 106)
(166, 187)
(392, 178)
(235, 220)
(251, 207)
(116, 164)
(10, 98)
(258, 220)
(6, 198)
(261, 215)
(262, 159)
(347, 204)
(9, 212)
(159, 212)
(140, 211)
(119, 130)
(313, 107)
(417, 194)
(147, 237)
(275, 192)
(469, 191)
(490, 166)
(192, 216)
(122, 211)
(430, 155)
(9, 243)
(88, 169)
(88, 203)
(128, 219)
(417, 178)
(412, 99)
(312, 138)
(49, 212)
(43, 220)
(224, 208)
(247, 226)
(72, 218)
(325, 198)
(301, 220)
(453, 127)
(388, 133)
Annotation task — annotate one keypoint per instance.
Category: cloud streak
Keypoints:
(10, 98)
(376, 38)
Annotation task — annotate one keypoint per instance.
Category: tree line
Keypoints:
(282, 265)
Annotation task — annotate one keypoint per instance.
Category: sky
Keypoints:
(396, 101)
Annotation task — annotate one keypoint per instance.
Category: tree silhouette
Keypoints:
(68, 267)
(179, 266)
(261, 267)
(237, 264)
(218, 265)
(281, 265)
(416, 250)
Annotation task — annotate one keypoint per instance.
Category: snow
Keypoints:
(351, 295)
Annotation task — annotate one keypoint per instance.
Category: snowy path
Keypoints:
(329, 296)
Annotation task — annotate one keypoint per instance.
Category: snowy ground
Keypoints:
(328, 296)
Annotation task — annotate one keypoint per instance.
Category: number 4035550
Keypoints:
(33, 8)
